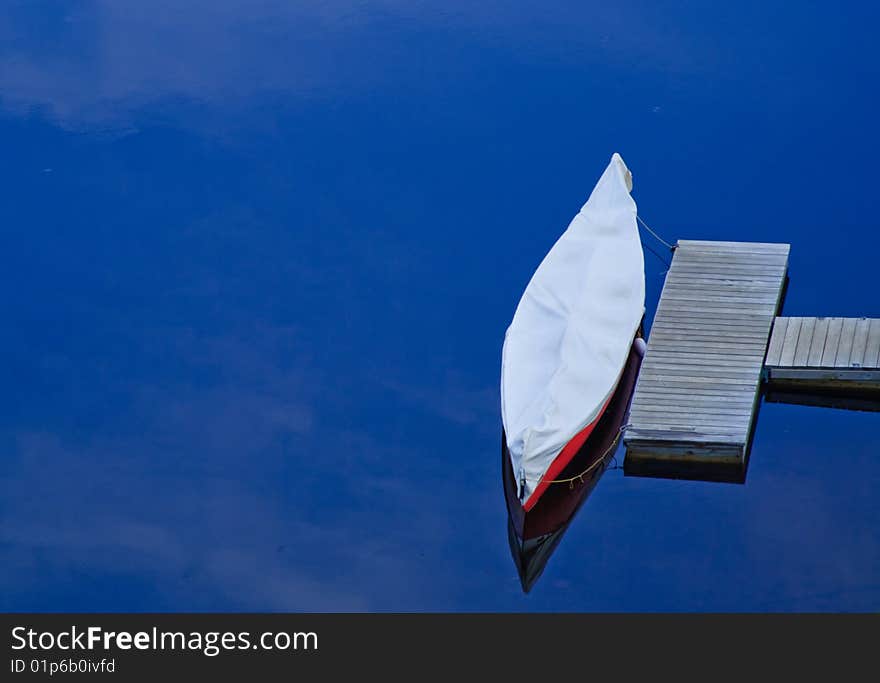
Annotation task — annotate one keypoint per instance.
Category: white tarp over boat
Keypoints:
(572, 331)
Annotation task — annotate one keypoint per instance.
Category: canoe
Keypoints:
(568, 343)
(534, 534)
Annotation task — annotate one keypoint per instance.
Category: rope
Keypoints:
(662, 259)
(580, 477)
(656, 236)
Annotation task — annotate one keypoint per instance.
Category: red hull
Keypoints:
(558, 502)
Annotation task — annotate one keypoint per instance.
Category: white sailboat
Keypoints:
(571, 335)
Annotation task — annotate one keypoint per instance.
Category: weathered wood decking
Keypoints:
(824, 361)
(694, 405)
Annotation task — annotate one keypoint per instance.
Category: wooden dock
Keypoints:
(831, 362)
(695, 402)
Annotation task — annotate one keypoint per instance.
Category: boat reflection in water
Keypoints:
(534, 535)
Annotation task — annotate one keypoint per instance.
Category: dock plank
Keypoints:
(805, 339)
(820, 334)
(774, 349)
(844, 350)
(789, 344)
(831, 342)
(872, 348)
(860, 342)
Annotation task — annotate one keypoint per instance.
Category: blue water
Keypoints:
(259, 259)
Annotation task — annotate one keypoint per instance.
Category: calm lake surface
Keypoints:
(259, 262)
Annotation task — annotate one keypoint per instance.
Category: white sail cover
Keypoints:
(572, 331)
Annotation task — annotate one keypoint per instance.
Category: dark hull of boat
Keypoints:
(533, 535)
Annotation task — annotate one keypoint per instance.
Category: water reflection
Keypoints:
(262, 255)
(859, 400)
(534, 535)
